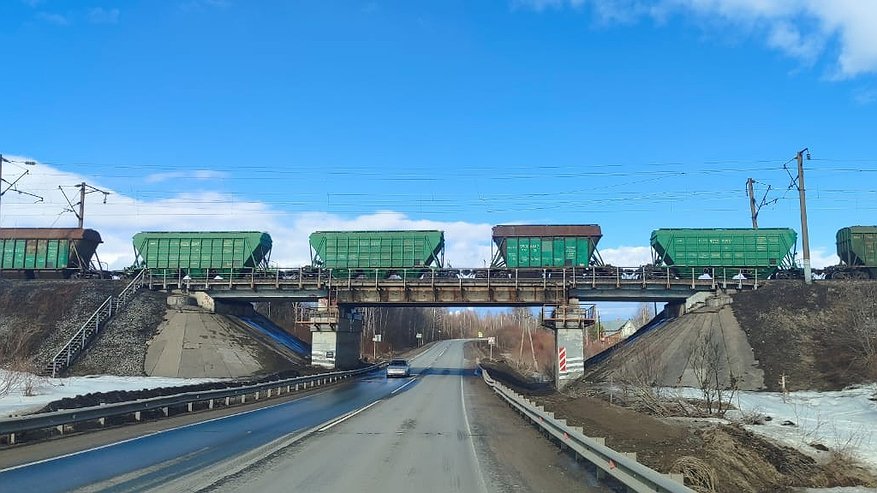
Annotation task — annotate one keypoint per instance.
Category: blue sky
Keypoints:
(292, 116)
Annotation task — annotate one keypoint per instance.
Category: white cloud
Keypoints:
(198, 174)
(56, 19)
(865, 96)
(802, 29)
(99, 15)
(467, 244)
(820, 257)
(627, 256)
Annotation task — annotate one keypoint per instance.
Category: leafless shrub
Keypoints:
(860, 335)
(716, 381)
(753, 417)
(640, 378)
(16, 364)
(699, 475)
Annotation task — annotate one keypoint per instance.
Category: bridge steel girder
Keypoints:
(270, 294)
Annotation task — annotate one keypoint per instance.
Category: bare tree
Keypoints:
(644, 314)
(716, 381)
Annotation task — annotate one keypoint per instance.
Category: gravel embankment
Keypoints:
(44, 314)
(120, 348)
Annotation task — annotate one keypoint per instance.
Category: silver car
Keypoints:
(398, 368)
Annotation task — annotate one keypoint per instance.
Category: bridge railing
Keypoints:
(308, 278)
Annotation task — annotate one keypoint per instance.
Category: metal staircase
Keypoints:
(83, 337)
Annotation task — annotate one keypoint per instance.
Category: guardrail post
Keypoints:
(136, 415)
(12, 439)
(189, 406)
(243, 398)
(269, 394)
(227, 401)
(210, 404)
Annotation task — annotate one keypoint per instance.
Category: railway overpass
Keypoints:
(336, 326)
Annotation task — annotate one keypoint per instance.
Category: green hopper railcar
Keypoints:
(199, 253)
(381, 253)
(725, 252)
(546, 246)
(52, 253)
(857, 249)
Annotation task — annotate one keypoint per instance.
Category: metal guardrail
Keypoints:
(620, 466)
(20, 424)
(80, 340)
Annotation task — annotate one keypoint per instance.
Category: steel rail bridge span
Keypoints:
(480, 287)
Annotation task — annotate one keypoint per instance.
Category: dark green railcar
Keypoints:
(202, 252)
(724, 252)
(386, 253)
(857, 249)
(546, 246)
(47, 252)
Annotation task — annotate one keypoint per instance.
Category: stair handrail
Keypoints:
(59, 362)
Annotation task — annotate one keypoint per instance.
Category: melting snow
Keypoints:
(46, 390)
(840, 420)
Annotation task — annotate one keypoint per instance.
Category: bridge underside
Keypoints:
(455, 296)
(504, 291)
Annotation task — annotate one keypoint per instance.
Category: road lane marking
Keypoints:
(409, 382)
(348, 416)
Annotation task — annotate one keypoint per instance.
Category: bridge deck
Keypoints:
(556, 288)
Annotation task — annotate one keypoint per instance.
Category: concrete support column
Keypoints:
(569, 323)
(570, 361)
(335, 336)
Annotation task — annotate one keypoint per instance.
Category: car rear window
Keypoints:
(398, 362)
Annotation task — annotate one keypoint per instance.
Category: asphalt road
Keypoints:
(440, 430)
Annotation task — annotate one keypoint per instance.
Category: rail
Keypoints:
(622, 467)
(10, 427)
(86, 333)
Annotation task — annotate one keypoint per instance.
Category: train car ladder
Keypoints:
(86, 334)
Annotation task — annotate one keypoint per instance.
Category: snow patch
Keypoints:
(840, 420)
(46, 390)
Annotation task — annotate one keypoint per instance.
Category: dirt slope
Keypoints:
(821, 337)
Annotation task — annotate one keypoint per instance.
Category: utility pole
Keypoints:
(84, 189)
(752, 206)
(805, 237)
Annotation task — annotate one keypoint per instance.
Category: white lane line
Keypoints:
(348, 416)
(409, 382)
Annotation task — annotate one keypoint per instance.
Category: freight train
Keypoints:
(517, 250)
(49, 253)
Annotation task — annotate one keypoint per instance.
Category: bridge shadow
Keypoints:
(439, 371)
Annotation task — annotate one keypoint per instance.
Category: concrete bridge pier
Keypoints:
(335, 336)
(570, 322)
